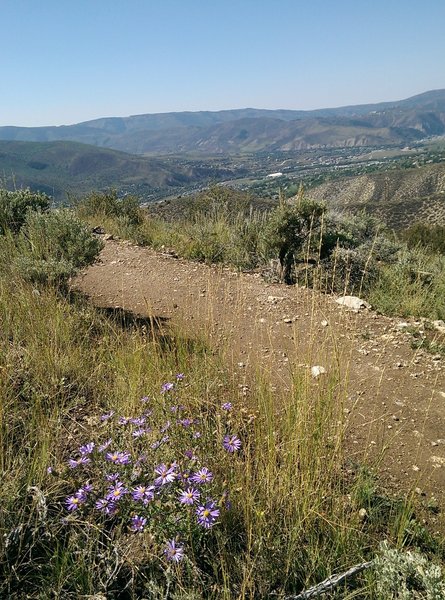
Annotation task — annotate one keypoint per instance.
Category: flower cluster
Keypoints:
(150, 480)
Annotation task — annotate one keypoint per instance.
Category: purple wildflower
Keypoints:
(116, 491)
(202, 476)
(207, 514)
(118, 458)
(165, 439)
(138, 523)
(145, 399)
(83, 492)
(166, 475)
(105, 445)
(167, 387)
(107, 416)
(138, 433)
(174, 551)
(143, 493)
(49, 470)
(82, 460)
(231, 443)
(197, 435)
(87, 448)
(186, 422)
(138, 420)
(226, 406)
(180, 376)
(189, 454)
(73, 502)
(112, 476)
(155, 445)
(189, 496)
(106, 506)
(123, 420)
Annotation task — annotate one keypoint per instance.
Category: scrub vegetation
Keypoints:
(131, 465)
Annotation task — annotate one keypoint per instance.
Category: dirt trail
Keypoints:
(396, 396)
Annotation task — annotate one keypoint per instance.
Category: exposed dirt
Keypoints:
(395, 395)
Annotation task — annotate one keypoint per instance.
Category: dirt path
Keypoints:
(396, 396)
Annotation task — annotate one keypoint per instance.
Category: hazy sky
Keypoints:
(67, 61)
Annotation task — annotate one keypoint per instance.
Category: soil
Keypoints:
(395, 394)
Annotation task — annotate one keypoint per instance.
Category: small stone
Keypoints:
(317, 370)
(362, 514)
(353, 302)
(324, 323)
(415, 468)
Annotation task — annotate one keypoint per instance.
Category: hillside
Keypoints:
(61, 168)
(398, 196)
(251, 130)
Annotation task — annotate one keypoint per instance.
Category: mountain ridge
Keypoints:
(214, 132)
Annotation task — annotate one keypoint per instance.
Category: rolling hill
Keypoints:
(64, 168)
(251, 130)
(399, 197)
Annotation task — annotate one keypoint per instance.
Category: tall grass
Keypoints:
(295, 500)
(295, 512)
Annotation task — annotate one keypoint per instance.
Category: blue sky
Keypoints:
(68, 61)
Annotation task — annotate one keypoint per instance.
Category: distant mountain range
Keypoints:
(253, 130)
(64, 168)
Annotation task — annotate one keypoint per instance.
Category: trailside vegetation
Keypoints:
(132, 467)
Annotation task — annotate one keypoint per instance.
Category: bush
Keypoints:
(414, 285)
(431, 237)
(407, 576)
(15, 205)
(54, 246)
(293, 231)
(107, 204)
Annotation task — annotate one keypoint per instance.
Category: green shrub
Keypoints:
(427, 236)
(60, 235)
(293, 231)
(414, 285)
(407, 576)
(44, 271)
(15, 205)
(108, 204)
(54, 245)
